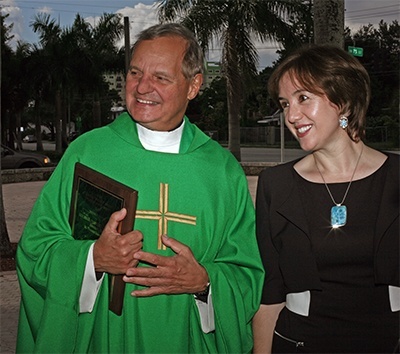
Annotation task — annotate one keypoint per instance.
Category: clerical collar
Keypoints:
(160, 141)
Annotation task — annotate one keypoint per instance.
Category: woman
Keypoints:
(328, 224)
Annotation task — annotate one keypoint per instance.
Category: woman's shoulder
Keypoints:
(379, 158)
(393, 162)
(393, 158)
(279, 172)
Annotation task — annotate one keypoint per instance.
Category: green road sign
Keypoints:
(356, 51)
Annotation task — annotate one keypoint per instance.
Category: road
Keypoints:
(270, 154)
(249, 154)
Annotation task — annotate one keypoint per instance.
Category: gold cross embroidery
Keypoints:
(163, 215)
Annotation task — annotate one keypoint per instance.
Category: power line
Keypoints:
(67, 11)
(375, 8)
(372, 12)
(85, 3)
(378, 14)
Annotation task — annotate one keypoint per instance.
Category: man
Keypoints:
(193, 272)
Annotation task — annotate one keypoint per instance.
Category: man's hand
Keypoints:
(178, 274)
(113, 252)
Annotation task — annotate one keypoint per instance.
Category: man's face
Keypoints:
(157, 93)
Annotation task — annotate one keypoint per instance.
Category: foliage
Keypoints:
(302, 26)
(381, 58)
(5, 244)
(73, 59)
(213, 103)
(65, 74)
(234, 24)
(9, 70)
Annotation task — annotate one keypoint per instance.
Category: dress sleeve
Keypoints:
(273, 290)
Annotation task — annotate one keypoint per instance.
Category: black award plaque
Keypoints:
(94, 198)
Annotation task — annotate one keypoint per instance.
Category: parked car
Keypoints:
(11, 159)
(29, 139)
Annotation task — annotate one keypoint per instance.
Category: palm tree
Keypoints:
(51, 38)
(77, 58)
(236, 24)
(98, 53)
(5, 245)
(22, 91)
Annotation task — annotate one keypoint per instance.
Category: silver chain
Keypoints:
(351, 179)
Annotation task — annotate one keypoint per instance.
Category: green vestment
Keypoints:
(204, 184)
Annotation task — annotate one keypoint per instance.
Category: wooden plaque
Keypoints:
(94, 198)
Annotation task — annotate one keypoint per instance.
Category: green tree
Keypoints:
(9, 85)
(5, 244)
(98, 54)
(55, 44)
(213, 103)
(235, 24)
(77, 58)
(381, 58)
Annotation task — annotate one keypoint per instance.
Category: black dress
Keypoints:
(350, 314)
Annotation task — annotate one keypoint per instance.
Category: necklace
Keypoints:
(339, 211)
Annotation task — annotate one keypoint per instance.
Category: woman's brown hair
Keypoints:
(330, 71)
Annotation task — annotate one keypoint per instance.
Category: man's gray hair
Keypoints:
(193, 60)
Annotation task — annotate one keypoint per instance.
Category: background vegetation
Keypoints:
(61, 78)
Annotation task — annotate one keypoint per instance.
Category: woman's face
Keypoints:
(311, 118)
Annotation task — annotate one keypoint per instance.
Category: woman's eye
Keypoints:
(284, 105)
(303, 98)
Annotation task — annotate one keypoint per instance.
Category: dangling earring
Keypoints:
(343, 122)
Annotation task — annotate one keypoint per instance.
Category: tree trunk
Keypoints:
(19, 135)
(234, 123)
(64, 137)
(96, 114)
(234, 98)
(12, 130)
(58, 122)
(5, 244)
(329, 22)
(38, 126)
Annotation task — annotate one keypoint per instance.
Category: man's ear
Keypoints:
(195, 86)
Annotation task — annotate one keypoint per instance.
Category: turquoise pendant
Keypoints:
(338, 215)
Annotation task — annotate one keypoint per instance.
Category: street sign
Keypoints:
(356, 51)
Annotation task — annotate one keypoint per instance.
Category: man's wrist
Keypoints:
(203, 295)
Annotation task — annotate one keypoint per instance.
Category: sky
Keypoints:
(142, 14)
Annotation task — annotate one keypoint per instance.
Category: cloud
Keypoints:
(45, 9)
(140, 17)
(15, 19)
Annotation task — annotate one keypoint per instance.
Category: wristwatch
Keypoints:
(203, 295)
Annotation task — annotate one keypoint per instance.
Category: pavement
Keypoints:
(18, 201)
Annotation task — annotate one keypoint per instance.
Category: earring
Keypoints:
(343, 122)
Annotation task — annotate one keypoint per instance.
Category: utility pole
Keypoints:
(127, 44)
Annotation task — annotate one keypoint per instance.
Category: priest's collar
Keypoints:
(160, 141)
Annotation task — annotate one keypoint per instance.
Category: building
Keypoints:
(116, 81)
(213, 71)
